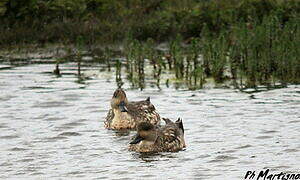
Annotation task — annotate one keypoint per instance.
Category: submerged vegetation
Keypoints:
(244, 42)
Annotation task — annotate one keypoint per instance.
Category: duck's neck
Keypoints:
(122, 119)
(118, 114)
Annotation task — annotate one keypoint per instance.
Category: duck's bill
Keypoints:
(123, 108)
(136, 140)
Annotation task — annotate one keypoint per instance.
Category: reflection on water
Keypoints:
(52, 127)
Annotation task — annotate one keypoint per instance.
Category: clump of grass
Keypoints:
(118, 66)
(107, 57)
(155, 58)
(263, 53)
(135, 63)
(177, 57)
(247, 42)
(248, 54)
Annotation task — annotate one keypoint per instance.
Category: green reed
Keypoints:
(135, 59)
(155, 58)
(247, 55)
(177, 57)
(80, 41)
(107, 55)
(194, 68)
(118, 67)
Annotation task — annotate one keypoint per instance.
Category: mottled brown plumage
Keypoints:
(151, 138)
(126, 115)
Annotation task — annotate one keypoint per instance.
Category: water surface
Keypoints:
(52, 127)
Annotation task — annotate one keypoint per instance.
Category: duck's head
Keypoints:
(145, 132)
(119, 100)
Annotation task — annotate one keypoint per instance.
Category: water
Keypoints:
(52, 127)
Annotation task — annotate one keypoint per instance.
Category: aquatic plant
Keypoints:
(246, 43)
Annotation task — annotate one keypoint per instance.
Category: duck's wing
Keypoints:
(141, 106)
(170, 138)
(143, 111)
(109, 117)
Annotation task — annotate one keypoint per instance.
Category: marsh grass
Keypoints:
(248, 55)
(134, 52)
(244, 43)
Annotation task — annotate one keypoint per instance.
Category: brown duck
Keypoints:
(126, 115)
(151, 138)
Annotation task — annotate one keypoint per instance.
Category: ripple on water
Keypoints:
(17, 149)
(54, 139)
(62, 128)
(269, 132)
(245, 162)
(71, 97)
(3, 125)
(44, 132)
(70, 134)
(51, 104)
(75, 173)
(9, 137)
(278, 168)
(244, 146)
(37, 174)
(204, 156)
(294, 121)
(290, 150)
(26, 160)
(222, 158)
(148, 176)
(228, 151)
(6, 98)
(54, 118)
(205, 141)
(264, 137)
(6, 164)
(35, 88)
(73, 124)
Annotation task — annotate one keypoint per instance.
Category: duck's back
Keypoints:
(171, 138)
(143, 111)
(138, 111)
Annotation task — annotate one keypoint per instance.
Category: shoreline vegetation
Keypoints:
(248, 43)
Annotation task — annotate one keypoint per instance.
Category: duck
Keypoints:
(126, 114)
(153, 139)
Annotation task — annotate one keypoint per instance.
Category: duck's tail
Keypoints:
(180, 124)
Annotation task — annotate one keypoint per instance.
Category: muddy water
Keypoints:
(52, 127)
